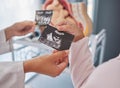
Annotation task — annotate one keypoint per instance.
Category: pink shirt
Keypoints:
(85, 75)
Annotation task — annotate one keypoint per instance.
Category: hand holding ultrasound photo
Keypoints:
(56, 39)
(50, 36)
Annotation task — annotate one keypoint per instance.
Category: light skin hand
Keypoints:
(51, 65)
(19, 29)
(70, 28)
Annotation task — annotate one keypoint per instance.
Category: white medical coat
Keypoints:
(11, 73)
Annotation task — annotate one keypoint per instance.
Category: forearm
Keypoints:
(32, 65)
(28, 66)
(81, 64)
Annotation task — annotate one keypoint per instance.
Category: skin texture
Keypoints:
(51, 65)
(72, 29)
(19, 29)
(60, 13)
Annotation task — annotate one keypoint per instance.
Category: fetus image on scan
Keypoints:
(55, 39)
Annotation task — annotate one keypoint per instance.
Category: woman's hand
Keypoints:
(19, 29)
(51, 65)
(70, 28)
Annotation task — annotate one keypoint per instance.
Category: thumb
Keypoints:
(59, 54)
(63, 64)
(62, 57)
(28, 29)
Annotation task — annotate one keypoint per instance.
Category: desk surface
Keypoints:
(43, 81)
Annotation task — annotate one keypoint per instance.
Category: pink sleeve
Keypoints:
(106, 75)
(81, 65)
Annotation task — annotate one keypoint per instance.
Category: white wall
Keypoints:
(12, 11)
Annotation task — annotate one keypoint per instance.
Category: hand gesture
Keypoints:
(70, 28)
(51, 65)
(20, 29)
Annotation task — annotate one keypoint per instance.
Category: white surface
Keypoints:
(43, 81)
(6, 57)
(12, 11)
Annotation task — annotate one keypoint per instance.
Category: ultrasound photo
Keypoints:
(56, 39)
(43, 17)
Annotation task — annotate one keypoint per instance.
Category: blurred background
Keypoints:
(104, 14)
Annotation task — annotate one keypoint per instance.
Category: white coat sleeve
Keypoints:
(11, 75)
(80, 59)
(5, 46)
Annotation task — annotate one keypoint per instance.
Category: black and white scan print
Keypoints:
(56, 39)
(43, 17)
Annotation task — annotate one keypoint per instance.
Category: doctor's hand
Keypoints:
(19, 29)
(51, 65)
(71, 28)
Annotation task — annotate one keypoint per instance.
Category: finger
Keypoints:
(61, 23)
(28, 24)
(65, 28)
(42, 28)
(60, 58)
(32, 29)
(27, 30)
(55, 51)
(67, 52)
(63, 64)
(58, 55)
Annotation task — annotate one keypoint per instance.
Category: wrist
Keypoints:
(27, 66)
(79, 37)
(31, 65)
